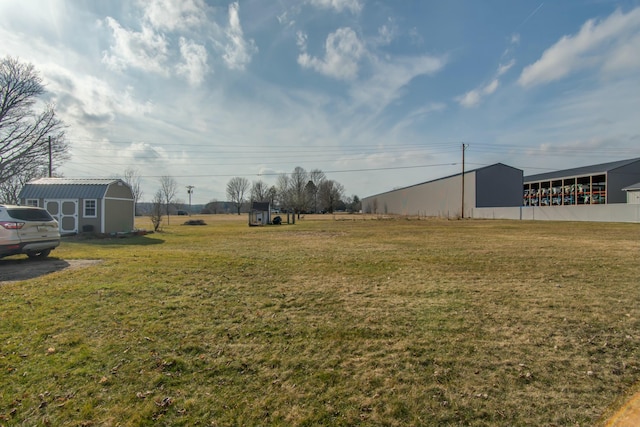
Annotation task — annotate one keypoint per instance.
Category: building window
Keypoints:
(32, 202)
(90, 208)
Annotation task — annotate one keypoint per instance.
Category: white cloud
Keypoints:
(503, 68)
(238, 51)
(88, 101)
(173, 15)
(386, 33)
(597, 44)
(301, 40)
(285, 20)
(624, 57)
(491, 87)
(418, 115)
(469, 99)
(355, 6)
(145, 50)
(474, 97)
(343, 51)
(390, 77)
(194, 67)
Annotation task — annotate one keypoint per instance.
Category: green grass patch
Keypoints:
(367, 322)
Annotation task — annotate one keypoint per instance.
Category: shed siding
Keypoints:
(118, 216)
(93, 222)
(119, 190)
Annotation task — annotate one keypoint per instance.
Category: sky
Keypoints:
(378, 94)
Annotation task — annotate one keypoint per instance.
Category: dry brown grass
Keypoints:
(330, 322)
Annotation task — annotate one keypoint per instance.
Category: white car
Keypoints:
(27, 230)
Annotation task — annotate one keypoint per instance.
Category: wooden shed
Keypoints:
(260, 213)
(83, 205)
(633, 194)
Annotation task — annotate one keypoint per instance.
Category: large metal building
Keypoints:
(589, 185)
(603, 192)
(497, 185)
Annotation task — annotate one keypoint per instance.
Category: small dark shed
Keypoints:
(260, 213)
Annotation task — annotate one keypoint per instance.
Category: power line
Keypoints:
(289, 173)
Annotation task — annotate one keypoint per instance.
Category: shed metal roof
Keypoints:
(66, 188)
(581, 171)
(634, 187)
(260, 206)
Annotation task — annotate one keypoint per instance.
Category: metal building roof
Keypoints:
(466, 172)
(66, 188)
(634, 187)
(581, 171)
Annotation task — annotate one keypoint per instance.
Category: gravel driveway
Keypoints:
(12, 270)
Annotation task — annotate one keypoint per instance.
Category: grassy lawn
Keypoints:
(328, 322)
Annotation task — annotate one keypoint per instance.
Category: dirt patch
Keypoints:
(13, 270)
(628, 415)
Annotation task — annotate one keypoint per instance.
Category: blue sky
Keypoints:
(379, 94)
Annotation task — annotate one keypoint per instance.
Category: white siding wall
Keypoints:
(617, 212)
(441, 198)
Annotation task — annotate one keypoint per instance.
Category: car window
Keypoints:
(30, 214)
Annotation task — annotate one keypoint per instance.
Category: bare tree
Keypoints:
(285, 198)
(259, 191)
(29, 140)
(330, 194)
(299, 179)
(316, 177)
(156, 210)
(132, 178)
(311, 191)
(272, 194)
(236, 189)
(10, 189)
(168, 190)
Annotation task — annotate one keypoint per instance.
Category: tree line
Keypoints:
(297, 192)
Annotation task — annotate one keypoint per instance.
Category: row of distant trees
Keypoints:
(297, 192)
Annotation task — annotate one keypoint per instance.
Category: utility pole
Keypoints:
(50, 160)
(190, 192)
(464, 147)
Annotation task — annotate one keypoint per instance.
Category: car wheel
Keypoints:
(42, 254)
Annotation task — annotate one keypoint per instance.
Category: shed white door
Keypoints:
(65, 212)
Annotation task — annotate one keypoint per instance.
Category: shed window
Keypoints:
(90, 208)
(32, 202)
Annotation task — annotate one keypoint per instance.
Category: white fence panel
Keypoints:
(592, 213)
